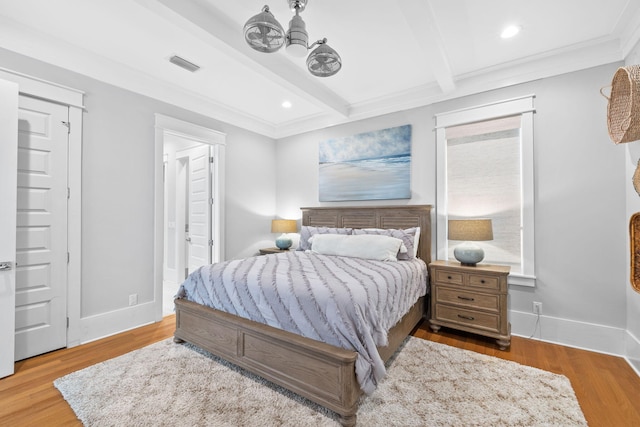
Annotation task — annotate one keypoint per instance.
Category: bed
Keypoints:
(321, 372)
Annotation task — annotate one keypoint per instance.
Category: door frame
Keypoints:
(74, 99)
(165, 125)
(8, 195)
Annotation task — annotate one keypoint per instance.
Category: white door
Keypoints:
(199, 235)
(8, 166)
(41, 232)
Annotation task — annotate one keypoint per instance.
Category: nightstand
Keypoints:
(273, 250)
(472, 299)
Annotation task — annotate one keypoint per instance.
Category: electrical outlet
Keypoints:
(537, 307)
(133, 299)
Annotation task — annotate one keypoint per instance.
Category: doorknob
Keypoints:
(5, 266)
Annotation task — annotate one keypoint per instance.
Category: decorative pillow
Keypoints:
(409, 248)
(307, 231)
(368, 246)
(416, 242)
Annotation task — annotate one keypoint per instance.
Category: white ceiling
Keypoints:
(397, 54)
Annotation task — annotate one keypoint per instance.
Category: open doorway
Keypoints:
(189, 196)
(188, 212)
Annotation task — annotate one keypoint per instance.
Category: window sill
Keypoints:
(521, 280)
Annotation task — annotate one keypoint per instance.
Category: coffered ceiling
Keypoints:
(397, 54)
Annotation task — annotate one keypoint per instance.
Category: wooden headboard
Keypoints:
(376, 217)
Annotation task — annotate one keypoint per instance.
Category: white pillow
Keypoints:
(368, 246)
(410, 238)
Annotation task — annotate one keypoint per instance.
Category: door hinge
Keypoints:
(211, 159)
(210, 242)
(211, 201)
(68, 125)
(68, 193)
(68, 257)
(67, 323)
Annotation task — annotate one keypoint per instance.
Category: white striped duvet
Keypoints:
(347, 302)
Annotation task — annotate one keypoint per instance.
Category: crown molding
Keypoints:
(29, 42)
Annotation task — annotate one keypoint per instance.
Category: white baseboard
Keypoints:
(633, 351)
(571, 333)
(107, 324)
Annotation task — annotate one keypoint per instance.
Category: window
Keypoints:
(485, 170)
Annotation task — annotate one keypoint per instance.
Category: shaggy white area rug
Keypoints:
(427, 384)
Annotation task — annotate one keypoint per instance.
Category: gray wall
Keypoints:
(632, 151)
(579, 194)
(118, 187)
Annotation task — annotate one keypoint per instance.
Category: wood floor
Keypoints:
(607, 388)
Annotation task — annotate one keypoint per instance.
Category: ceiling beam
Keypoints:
(202, 21)
(422, 21)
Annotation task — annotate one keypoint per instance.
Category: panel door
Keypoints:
(199, 207)
(8, 167)
(41, 232)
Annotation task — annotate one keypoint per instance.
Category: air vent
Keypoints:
(183, 63)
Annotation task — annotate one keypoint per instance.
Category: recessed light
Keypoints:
(286, 104)
(510, 31)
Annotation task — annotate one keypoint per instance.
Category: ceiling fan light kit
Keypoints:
(265, 34)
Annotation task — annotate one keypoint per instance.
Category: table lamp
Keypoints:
(284, 226)
(470, 230)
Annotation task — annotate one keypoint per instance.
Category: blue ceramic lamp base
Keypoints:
(468, 254)
(283, 242)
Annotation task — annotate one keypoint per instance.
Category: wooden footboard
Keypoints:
(323, 373)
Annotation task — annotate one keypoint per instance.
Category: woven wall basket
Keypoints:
(623, 111)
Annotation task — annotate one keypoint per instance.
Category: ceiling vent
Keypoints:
(183, 63)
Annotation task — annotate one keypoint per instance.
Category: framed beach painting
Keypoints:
(368, 166)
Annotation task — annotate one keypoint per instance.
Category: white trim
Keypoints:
(190, 131)
(528, 196)
(73, 98)
(492, 110)
(522, 280)
(442, 243)
(632, 351)
(524, 107)
(114, 322)
(570, 333)
(43, 89)
(8, 195)
(74, 228)
(166, 125)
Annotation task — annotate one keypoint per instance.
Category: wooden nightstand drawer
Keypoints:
(449, 277)
(484, 281)
(461, 297)
(461, 316)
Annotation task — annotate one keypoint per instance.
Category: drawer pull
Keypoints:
(449, 277)
(466, 298)
(466, 317)
(482, 281)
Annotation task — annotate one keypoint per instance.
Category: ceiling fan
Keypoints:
(265, 34)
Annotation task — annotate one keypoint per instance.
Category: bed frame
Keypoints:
(323, 373)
